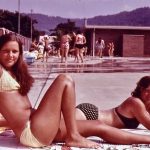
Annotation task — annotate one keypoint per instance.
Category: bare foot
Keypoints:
(81, 142)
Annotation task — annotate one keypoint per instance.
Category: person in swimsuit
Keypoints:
(46, 48)
(40, 127)
(80, 42)
(65, 46)
(133, 111)
(123, 116)
(110, 47)
(36, 128)
(100, 45)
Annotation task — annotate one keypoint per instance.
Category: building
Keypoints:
(129, 41)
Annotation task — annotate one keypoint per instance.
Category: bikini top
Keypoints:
(7, 82)
(130, 123)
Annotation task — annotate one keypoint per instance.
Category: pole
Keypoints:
(93, 43)
(18, 16)
(31, 23)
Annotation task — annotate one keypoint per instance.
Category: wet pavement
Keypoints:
(105, 66)
(105, 82)
(97, 65)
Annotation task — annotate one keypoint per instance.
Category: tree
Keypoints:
(9, 21)
(62, 27)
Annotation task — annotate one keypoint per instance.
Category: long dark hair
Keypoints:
(20, 69)
(143, 83)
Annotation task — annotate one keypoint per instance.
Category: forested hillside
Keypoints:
(46, 23)
(137, 17)
(40, 22)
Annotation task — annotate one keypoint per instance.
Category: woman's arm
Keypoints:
(84, 39)
(140, 112)
(3, 122)
(69, 38)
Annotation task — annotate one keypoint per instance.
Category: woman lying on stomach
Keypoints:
(129, 114)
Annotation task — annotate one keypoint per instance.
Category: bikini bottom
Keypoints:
(89, 110)
(28, 139)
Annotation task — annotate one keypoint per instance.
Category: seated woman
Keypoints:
(129, 114)
(36, 128)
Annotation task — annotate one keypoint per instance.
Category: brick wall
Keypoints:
(133, 45)
(143, 49)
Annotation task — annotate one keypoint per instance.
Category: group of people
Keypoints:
(100, 46)
(41, 49)
(74, 44)
(57, 118)
(78, 46)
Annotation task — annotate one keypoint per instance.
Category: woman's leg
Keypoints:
(45, 121)
(81, 54)
(43, 56)
(109, 134)
(77, 54)
(62, 54)
(47, 55)
(66, 54)
(109, 52)
(100, 53)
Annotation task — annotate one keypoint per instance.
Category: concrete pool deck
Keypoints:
(105, 82)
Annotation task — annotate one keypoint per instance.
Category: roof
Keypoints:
(117, 27)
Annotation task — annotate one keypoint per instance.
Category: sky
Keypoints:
(73, 8)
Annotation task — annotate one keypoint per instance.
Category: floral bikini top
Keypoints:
(7, 82)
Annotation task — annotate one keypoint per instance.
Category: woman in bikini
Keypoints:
(36, 128)
(40, 127)
(133, 111)
(80, 42)
(46, 48)
(65, 46)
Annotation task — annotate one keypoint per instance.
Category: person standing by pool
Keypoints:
(110, 49)
(65, 46)
(100, 45)
(46, 48)
(80, 41)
